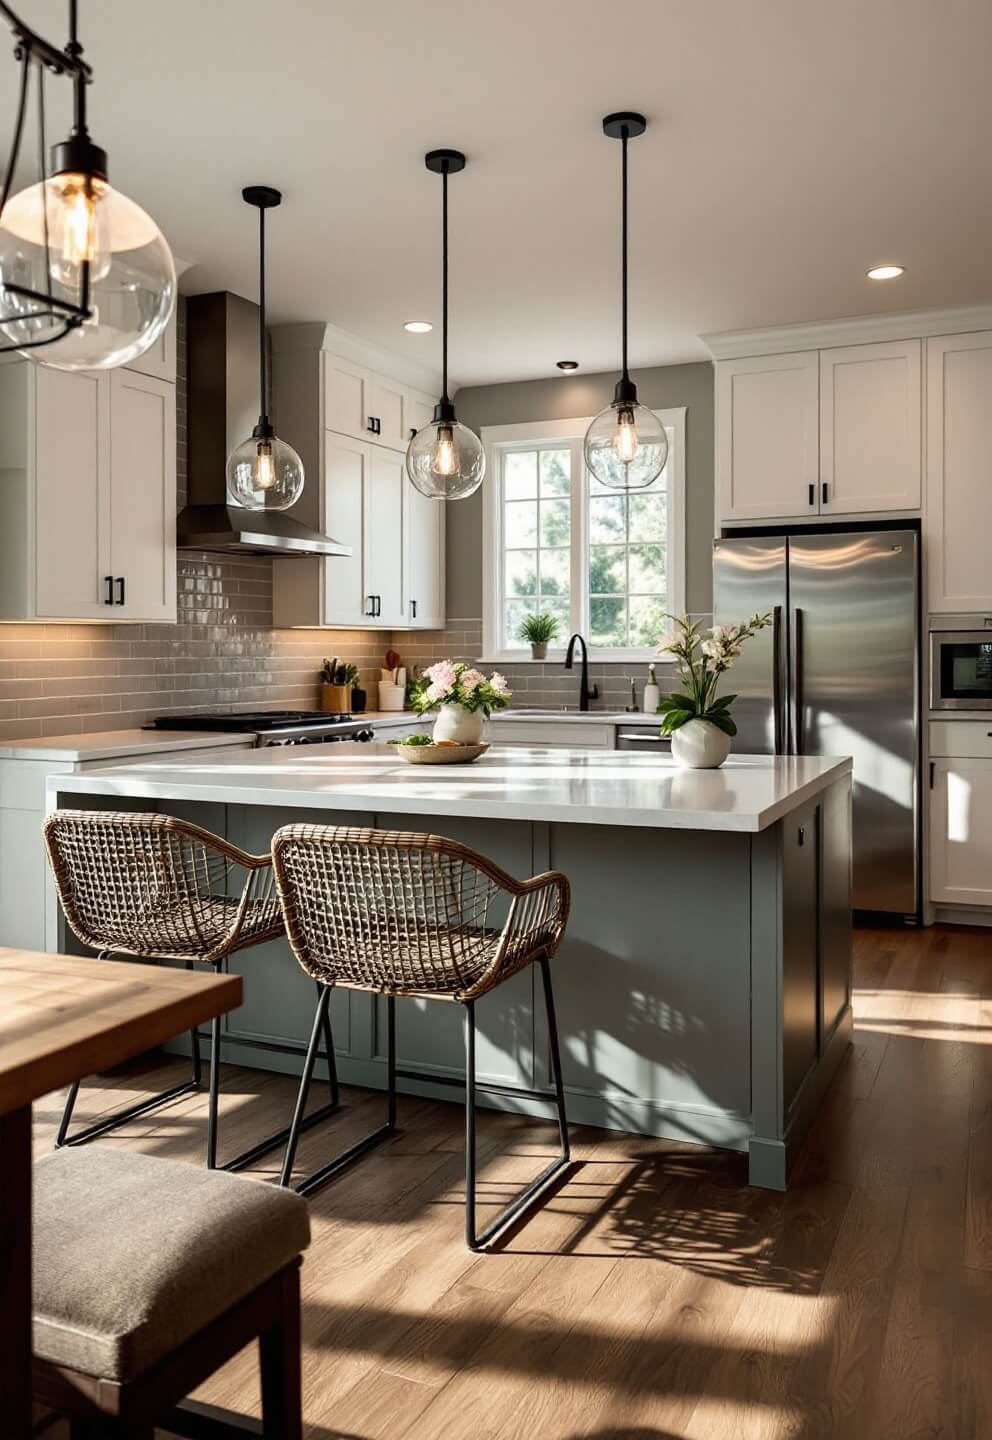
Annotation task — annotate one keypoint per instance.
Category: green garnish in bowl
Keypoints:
(412, 740)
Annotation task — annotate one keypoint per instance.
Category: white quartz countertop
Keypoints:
(749, 793)
(117, 744)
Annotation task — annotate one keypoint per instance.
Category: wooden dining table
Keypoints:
(63, 1017)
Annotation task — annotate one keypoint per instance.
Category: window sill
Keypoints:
(557, 657)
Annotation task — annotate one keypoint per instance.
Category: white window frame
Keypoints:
(496, 441)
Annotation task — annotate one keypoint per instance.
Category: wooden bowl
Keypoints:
(441, 754)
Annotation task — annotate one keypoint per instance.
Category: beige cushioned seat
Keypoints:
(133, 1254)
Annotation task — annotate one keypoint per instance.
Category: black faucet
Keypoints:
(587, 692)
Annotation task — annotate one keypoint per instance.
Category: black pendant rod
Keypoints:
(444, 286)
(263, 378)
(624, 138)
(61, 62)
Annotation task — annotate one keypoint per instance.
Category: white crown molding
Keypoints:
(321, 335)
(854, 330)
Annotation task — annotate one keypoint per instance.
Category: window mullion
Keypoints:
(579, 567)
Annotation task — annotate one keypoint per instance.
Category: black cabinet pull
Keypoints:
(378, 606)
(812, 494)
(370, 606)
(933, 770)
(108, 580)
(120, 590)
(823, 493)
(370, 427)
(413, 609)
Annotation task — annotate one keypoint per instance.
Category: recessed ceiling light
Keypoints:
(567, 364)
(886, 272)
(418, 327)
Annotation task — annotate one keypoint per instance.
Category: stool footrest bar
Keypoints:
(131, 1112)
(272, 1142)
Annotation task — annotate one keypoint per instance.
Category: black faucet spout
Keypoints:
(587, 692)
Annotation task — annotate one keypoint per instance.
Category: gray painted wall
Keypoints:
(563, 399)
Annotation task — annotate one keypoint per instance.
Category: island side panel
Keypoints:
(652, 982)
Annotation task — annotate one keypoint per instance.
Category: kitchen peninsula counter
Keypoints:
(703, 986)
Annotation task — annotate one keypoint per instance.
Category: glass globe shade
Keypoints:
(626, 446)
(264, 473)
(445, 460)
(132, 274)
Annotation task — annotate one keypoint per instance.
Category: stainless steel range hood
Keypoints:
(222, 406)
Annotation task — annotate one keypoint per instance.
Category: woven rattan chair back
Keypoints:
(410, 914)
(155, 886)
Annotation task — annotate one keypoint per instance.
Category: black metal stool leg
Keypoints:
(536, 1187)
(332, 1064)
(130, 1112)
(214, 1093)
(347, 1157)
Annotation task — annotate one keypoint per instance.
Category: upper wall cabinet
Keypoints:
(870, 428)
(767, 456)
(959, 471)
(87, 495)
(351, 425)
(830, 432)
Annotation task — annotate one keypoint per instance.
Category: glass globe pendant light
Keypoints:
(445, 459)
(263, 472)
(626, 446)
(87, 280)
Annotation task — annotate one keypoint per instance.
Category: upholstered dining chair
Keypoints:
(417, 915)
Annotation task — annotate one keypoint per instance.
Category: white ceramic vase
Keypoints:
(700, 745)
(454, 722)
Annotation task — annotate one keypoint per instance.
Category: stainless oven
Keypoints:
(961, 669)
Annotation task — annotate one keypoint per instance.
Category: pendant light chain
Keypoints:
(623, 247)
(444, 285)
(263, 377)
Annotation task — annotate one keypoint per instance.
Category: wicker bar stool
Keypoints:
(416, 915)
(159, 888)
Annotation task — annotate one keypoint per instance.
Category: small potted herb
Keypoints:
(336, 681)
(537, 630)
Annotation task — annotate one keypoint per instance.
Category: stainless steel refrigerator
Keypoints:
(838, 673)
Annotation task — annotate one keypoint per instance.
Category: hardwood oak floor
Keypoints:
(655, 1295)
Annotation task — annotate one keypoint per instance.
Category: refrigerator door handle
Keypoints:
(797, 699)
(777, 697)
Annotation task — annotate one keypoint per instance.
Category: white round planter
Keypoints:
(700, 745)
(454, 722)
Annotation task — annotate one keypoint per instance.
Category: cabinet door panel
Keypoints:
(346, 480)
(72, 519)
(959, 443)
(420, 410)
(387, 402)
(425, 559)
(961, 832)
(159, 359)
(768, 436)
(143, 494)
(800, 948)
(387, 483)
(870, 427)
(346, 398)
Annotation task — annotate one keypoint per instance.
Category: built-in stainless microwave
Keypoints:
(961, 670)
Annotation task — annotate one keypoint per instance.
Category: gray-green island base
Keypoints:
(702, 989)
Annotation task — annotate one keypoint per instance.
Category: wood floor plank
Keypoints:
(654, 1296)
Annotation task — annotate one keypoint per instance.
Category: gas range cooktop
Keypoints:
(261, 722)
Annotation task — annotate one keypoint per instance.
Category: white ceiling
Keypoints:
(791, 144)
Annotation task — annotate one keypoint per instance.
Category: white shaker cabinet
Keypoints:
(961, 832)
(959, 472)
(871, 455)
(424, 569)
(767, 436)
(347, 398)
(387, 498)
(88, 495)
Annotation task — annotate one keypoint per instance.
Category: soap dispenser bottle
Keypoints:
(652, 694)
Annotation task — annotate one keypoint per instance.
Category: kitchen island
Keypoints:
(703, 986)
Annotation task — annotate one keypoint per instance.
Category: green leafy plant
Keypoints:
(702, 660)
(538, 629)
(412, 740)
(452, 682)
(337, 672)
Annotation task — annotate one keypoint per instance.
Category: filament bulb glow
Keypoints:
(76, 223)
(445, 453)
(265, 470)
(626, 436)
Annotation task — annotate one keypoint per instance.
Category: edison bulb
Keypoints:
(626, 446)
(264, 473)
(47, 232)
(445, 460)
